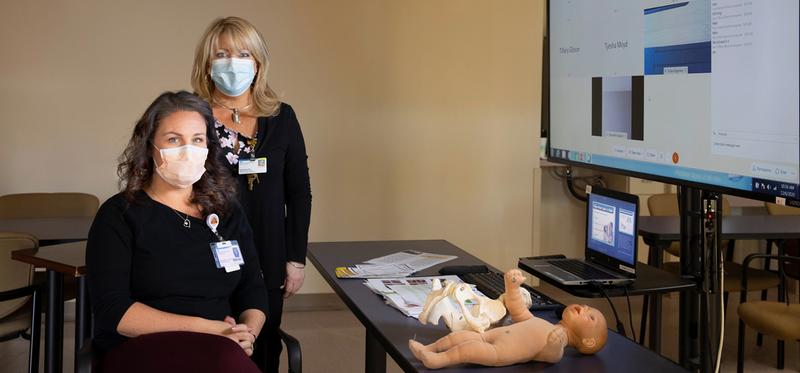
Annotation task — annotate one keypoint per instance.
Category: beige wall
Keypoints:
(421, 117)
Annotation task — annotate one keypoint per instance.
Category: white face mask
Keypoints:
(233, 76)
(182, 166)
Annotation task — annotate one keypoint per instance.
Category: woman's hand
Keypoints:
(239, 333)
(295, 275)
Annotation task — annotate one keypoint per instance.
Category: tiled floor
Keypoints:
(333, 340)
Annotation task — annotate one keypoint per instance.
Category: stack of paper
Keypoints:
(400, 264)
(406, 294)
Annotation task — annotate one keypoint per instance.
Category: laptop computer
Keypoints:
(611, 243)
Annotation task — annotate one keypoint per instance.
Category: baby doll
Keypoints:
(527, 338)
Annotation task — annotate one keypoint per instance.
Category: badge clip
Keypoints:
(212, 221)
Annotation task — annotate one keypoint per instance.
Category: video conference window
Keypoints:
(677, 38)
(618, 107)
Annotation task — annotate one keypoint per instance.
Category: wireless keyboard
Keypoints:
(492, 285)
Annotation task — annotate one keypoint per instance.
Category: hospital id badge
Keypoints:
(252, 166)
(227, 255)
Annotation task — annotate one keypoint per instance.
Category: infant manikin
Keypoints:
(528, 338)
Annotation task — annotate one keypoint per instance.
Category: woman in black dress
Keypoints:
(264, 148)
(172, 270)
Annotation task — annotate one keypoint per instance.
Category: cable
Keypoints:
(571, 188)
(620, 326)
(721, 311)
(576, 184)
(630, 312)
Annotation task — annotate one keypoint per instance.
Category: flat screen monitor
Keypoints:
(702, 92)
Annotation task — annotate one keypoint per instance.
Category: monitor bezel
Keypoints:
(546, 123)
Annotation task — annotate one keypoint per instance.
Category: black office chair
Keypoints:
(85, 362)
(779, 319)
(20, 298)
(35, 292)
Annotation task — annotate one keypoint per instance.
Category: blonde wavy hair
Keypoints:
(244, 36)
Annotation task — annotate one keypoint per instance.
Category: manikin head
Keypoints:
(586, 328)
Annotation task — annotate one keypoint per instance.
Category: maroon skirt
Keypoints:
(177, 352)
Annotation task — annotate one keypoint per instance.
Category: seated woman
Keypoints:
(173, 276)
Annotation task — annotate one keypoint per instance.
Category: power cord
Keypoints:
(630, 312)
(721, 310)
(620, 326)
(576, 184)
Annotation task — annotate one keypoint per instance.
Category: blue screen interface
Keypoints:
(612, 227)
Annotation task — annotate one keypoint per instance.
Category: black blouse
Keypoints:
(141, 252)
(278, 206)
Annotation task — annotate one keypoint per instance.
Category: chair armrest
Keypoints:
(295, 355)
(751, 257)
(20, 292)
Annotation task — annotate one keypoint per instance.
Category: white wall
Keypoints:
(421, 117)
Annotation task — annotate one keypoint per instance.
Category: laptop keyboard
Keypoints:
(492, 285)
(581, 270)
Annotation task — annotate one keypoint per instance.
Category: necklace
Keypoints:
(234, 111)
(186, 222)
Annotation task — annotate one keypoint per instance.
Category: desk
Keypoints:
(649, 280)
(64, 259)
(659, 232)
(658, 229)
(388, 330)
(50, 231)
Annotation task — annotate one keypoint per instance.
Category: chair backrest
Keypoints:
(666, 204)
(48, 205)
(791, 268)
(14, 274)
(790, 247)
(774, 209)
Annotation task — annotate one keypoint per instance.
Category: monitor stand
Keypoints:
(701, 260)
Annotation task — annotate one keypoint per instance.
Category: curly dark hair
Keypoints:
(213, 192)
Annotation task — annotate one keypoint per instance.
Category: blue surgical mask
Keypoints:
(233, 76)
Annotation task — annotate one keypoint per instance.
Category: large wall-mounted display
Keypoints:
(699, 92)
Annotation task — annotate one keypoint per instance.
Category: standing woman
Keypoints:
(264, 147)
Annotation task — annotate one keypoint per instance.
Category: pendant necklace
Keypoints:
(234, 111)
(186, 222)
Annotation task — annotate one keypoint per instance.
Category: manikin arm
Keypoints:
(512, 297)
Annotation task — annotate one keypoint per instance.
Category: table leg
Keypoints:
(655, 259)
(81, 312)
(54, 320)
(655, 323)
(375, 360)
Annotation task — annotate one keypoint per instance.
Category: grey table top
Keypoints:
(393, 329)
(667, 228)
(50, 230)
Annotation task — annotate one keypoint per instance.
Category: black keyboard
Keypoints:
(581, 270)
(492, 285)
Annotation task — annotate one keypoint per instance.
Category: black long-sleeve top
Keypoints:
(279, 206)
(141, 252)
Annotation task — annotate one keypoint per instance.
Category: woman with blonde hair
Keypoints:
(264, 148)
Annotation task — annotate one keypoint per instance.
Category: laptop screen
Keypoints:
(611, 228)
